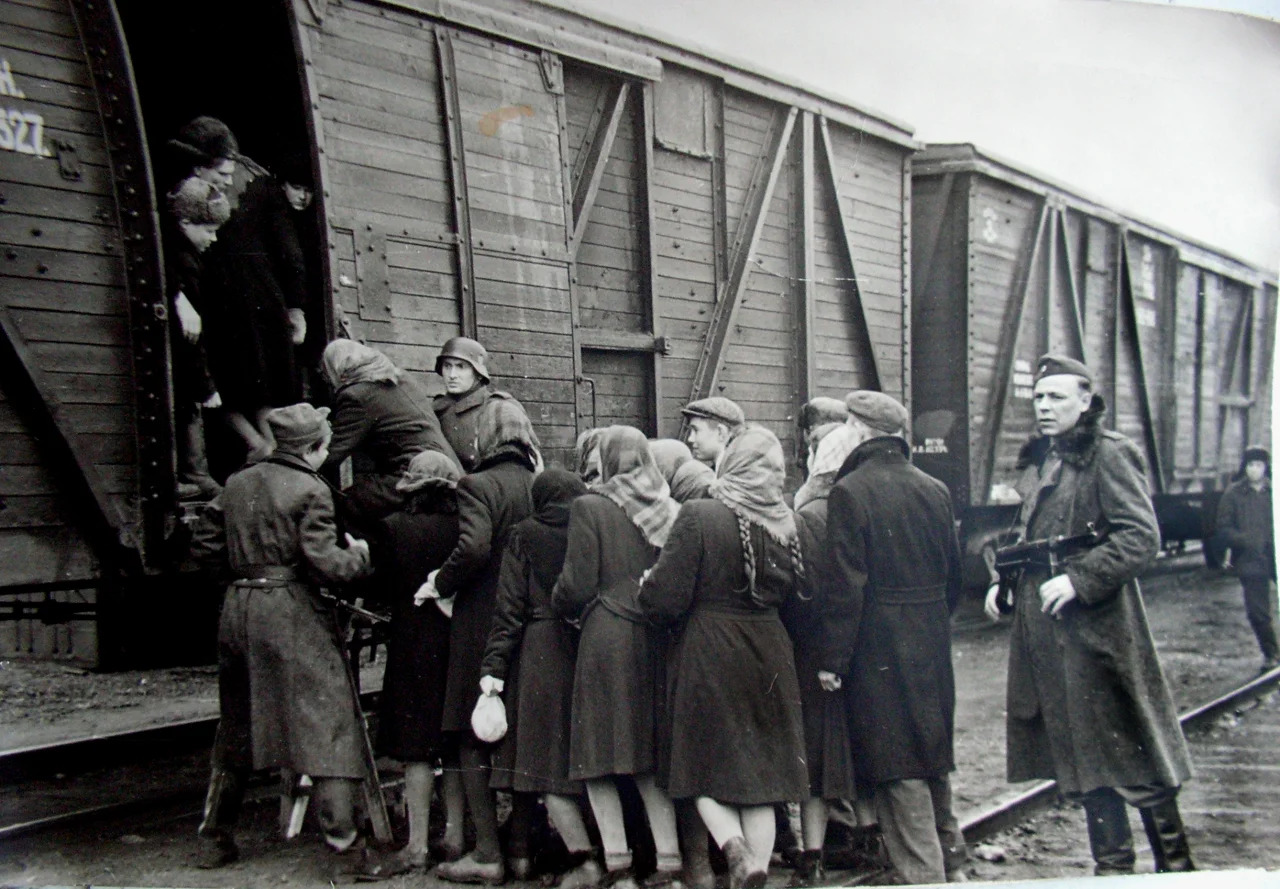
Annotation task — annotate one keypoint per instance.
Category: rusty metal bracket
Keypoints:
(107, 55)
(552, 72)
(68, 162)
(373, 285)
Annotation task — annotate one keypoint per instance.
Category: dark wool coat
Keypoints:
(529, 639)
(1087, 701)
(491, 500)
(458, 417)
(736, 733)
(286, 695)
(617, 678)
(382, 426)
(826, 726)
(192, 381)
(896, 576)
(255, 274)
(1245, 525)
(414, 541)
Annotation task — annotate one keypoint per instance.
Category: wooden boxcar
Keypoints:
(625, 222)
(1007, 266)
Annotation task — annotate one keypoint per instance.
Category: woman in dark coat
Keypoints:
(614, 537)
(528, 638)
(737, 740)
(382, 417)
(491, 501)
(414, 541)
(826, 731)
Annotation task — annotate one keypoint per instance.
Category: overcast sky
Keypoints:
(1170, 113)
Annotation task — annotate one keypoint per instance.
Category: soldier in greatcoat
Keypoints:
(463, 365)
(1088, 704)
(287, 699)
(894, 578)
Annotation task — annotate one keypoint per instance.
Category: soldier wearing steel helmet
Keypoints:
(462, 364)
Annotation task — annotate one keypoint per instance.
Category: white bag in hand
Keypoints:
(489, 719)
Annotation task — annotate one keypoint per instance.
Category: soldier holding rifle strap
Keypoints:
(1087, 702)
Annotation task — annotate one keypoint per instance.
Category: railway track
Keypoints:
(194, 737)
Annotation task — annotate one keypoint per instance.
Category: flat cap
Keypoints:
(879, 411)
(822, 410)
(717, 408)
(1052, 365)
(298, 426)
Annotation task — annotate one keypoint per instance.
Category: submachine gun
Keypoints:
(1047, 553)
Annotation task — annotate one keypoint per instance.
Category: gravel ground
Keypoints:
(1197, 617)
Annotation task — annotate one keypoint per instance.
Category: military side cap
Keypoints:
(877, 410)
(717, 408)
(1052, 365)
(298, 426)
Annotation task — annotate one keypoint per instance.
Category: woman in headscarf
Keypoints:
(826, 734)
(615, 534)
(414, 541)
(687, 477)
(382, 418)
(737, 742)
(492, 499)
(587, 451)
(528, 639)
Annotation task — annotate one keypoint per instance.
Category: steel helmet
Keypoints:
(467, 350)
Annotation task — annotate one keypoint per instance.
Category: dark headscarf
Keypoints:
(546, 532)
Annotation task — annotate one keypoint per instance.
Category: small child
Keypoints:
(196, 209)
(286, 696)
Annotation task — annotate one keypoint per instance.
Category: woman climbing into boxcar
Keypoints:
(737, 742)
(615, 534)
(411, 542)
(827, 753)
(463, 365)
(528, 641)
(382, 417)
(687, 477)
(492, 499)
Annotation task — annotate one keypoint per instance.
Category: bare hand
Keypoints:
(1055, 593)
(991, 608)
(188, 318)
(298, 319)
(829, 681)
(213, 401)
(355, 543)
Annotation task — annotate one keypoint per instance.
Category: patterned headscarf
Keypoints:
(670, 454)
(504, 428)
(347, 361)
(833, 449)
(587, 444)
(429, 469)
(631, 479)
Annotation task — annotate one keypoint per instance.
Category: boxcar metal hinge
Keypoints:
(552, 72)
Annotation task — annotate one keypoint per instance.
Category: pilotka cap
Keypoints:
(717, 408)
(877, 410)
(298, 426)
(1052, 365)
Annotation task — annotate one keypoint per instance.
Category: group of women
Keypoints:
(639, 616)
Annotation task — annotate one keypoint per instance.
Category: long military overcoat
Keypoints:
(458, 418)
(894, 579)
(1087, 702)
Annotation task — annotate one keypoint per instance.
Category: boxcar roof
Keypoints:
(591, 37)
(966, 157)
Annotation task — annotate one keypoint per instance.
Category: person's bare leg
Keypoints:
(759, 827)
(419, 782)
(662, 823)
(566, 816)
(813, 823)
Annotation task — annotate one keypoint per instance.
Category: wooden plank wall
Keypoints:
(1099, 268)
(62, 282)
(1186, 350)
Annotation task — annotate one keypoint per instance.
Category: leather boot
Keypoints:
(809, 870)
(742, 873)
(1169, 847)
(221, 811)
(1110, 839)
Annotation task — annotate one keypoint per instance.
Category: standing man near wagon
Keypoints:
(895, 578)
(1088, 704)
(1245, 525)
(463, 365)
(712, 423)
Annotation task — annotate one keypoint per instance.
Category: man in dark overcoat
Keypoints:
(463, 365)
(895, 578)
(1087, 702)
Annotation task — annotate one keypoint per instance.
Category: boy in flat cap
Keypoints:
(1245, 524)
(286, 696)
(895, 578)
(712, 422)
(1088, 704)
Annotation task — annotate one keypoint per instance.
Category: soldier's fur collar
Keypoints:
(1076, 447)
